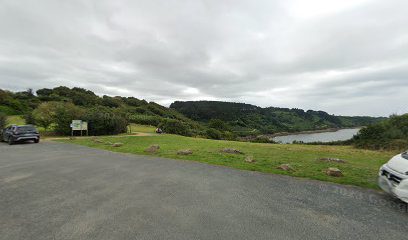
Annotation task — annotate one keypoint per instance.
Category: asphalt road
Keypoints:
(61, 191)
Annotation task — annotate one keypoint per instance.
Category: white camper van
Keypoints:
(393, 176)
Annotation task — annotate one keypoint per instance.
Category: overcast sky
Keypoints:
(347, 57)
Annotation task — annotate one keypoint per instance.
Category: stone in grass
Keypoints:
(231, 150)
(335, 160)
(334, 172)
(185, 152)
(249, 159)
(153, 148)
(285, 167)
(118, 144)
(96, 140)
(72, 138)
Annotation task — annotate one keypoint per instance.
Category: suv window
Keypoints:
(26, 128)
(405, 155)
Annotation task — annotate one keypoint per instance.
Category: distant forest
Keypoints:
(249, 119)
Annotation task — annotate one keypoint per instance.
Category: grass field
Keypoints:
(15, 119)
(361, 168)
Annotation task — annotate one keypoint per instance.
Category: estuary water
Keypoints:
(340, 135)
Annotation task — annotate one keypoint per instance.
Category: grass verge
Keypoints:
(360, 169)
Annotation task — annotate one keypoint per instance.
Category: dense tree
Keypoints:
(219, 125)
(247, 119)
(104, 121)
(3, 121)
(29, 118)
(64, 114)
(391, 134)
(44, 114)
(175, 127)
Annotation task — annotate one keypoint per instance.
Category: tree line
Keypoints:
(246, 119)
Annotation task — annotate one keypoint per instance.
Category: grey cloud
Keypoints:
(344, 61)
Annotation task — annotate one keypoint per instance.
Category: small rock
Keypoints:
(285, 167)
(98, 141)
(231, 150)
(249, 159)
(334, 172)
(117, 144)
(152, 148)
(336, 160)
(185, 152)
(72, 138)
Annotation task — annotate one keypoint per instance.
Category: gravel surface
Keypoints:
(62, 191)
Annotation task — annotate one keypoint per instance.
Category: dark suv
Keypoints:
(15, 133)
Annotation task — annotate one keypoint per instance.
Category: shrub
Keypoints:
(219, 125)
(213, 133)
(175, 127)
(145, 120)
(44, 114)
(3, 120)
(64, 114)
(263, 139)
(390, 134)
(105, 121)
(29, 118)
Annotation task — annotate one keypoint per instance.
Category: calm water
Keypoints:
(340, 135)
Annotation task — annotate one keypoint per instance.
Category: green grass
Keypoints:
(137, 128)
(15, 119)
(360, 170)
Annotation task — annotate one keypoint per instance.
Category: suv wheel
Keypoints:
(10, 141)
(37, 140)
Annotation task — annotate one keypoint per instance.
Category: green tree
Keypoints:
(218, 124)
(175, 127)
(3, 120)
(105, 121)
(44, 114)
(64, 114)
(29, 118)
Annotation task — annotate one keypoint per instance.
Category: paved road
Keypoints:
(61, 191)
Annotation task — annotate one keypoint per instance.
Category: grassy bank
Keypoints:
(360, 170)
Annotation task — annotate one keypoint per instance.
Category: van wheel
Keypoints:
(10, 141)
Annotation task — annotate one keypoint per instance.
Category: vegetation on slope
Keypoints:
(247, 119)
(54, 109)
(390, 134)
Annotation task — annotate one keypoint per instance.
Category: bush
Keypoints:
(8, 110)
(105, 121)
(64, 114)
(175, 127)
(145, 120)
(390, 134)
(213, 134)
(219, 125)
(29, 118)
(44, 114)
(263, 139)
(3, 122)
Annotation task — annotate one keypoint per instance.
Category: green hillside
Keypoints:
(249, 119)
(390, 134)
(106, 114)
